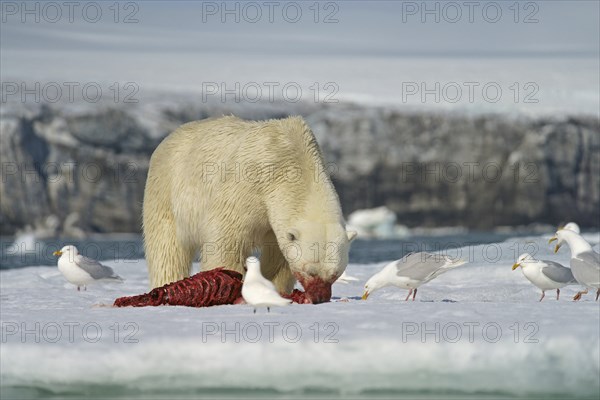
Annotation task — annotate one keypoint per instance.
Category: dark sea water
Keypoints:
(130, 247)
(104, 392)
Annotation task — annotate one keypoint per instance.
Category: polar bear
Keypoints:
(228, 188)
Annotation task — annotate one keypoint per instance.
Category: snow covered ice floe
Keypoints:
(477, 329)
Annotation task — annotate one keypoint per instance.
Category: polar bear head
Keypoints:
(317, 254)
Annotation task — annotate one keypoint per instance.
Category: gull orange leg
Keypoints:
(579, 294)
(409, 293)
(543, 295)
(414, 294)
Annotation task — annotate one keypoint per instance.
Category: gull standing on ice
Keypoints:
(410, 272)
(585, 262)
(544, 274)
(82, 271)
(259, 291)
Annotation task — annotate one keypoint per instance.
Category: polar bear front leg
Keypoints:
(284, 281)
(274, 266)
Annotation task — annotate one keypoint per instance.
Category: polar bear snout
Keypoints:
(316, 288)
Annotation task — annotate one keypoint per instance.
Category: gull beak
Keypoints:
(57, 253)
(365, 295)
(552, 239)
(515, 266)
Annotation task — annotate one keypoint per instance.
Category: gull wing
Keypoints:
(421, 266)
(590, 257)
(557, 272)
(259, 292)
(588, 267)
(95, 269)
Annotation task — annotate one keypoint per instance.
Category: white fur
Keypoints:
(226, 187)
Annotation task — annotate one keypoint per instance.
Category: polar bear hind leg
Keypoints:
(168, 259)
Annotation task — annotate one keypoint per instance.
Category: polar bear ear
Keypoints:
(351, 235)
(292, 234)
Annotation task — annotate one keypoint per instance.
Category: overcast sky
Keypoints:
(388, 28)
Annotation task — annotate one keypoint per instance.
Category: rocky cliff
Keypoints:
(87, 163)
